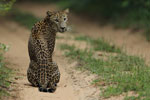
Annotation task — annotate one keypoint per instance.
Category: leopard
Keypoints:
(43, 72)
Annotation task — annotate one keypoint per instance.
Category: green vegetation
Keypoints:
(5, 6)
(133, 98)
(42, 1)
(25, 19)
(122, 13)
(99, 44)
(121, 73)
(4, 73)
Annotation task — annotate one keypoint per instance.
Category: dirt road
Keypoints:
(74, 84)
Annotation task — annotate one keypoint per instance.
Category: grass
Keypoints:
(121, 73)
(25, 19)
(132, 98)
(99, 44)
(5, 73)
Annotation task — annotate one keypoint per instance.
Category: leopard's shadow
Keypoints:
(29, 85)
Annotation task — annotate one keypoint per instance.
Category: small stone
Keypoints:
(16, 78)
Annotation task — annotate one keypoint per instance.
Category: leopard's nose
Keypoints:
(63, 28)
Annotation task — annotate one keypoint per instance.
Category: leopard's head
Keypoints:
(59, 20)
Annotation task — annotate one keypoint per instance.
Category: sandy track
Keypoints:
(74, 85)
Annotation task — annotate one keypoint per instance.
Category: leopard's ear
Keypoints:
(49, 13)
(66, 10)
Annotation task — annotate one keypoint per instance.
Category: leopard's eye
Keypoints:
(56, 20)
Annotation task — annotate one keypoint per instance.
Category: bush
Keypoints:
(108, 8)
(123, 13)
(5, 6)
(4, 73)
(41, 1)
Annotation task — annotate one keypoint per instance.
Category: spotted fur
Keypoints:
(43, 72)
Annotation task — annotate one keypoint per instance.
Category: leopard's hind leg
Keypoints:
(32, 74)
(53, 76)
